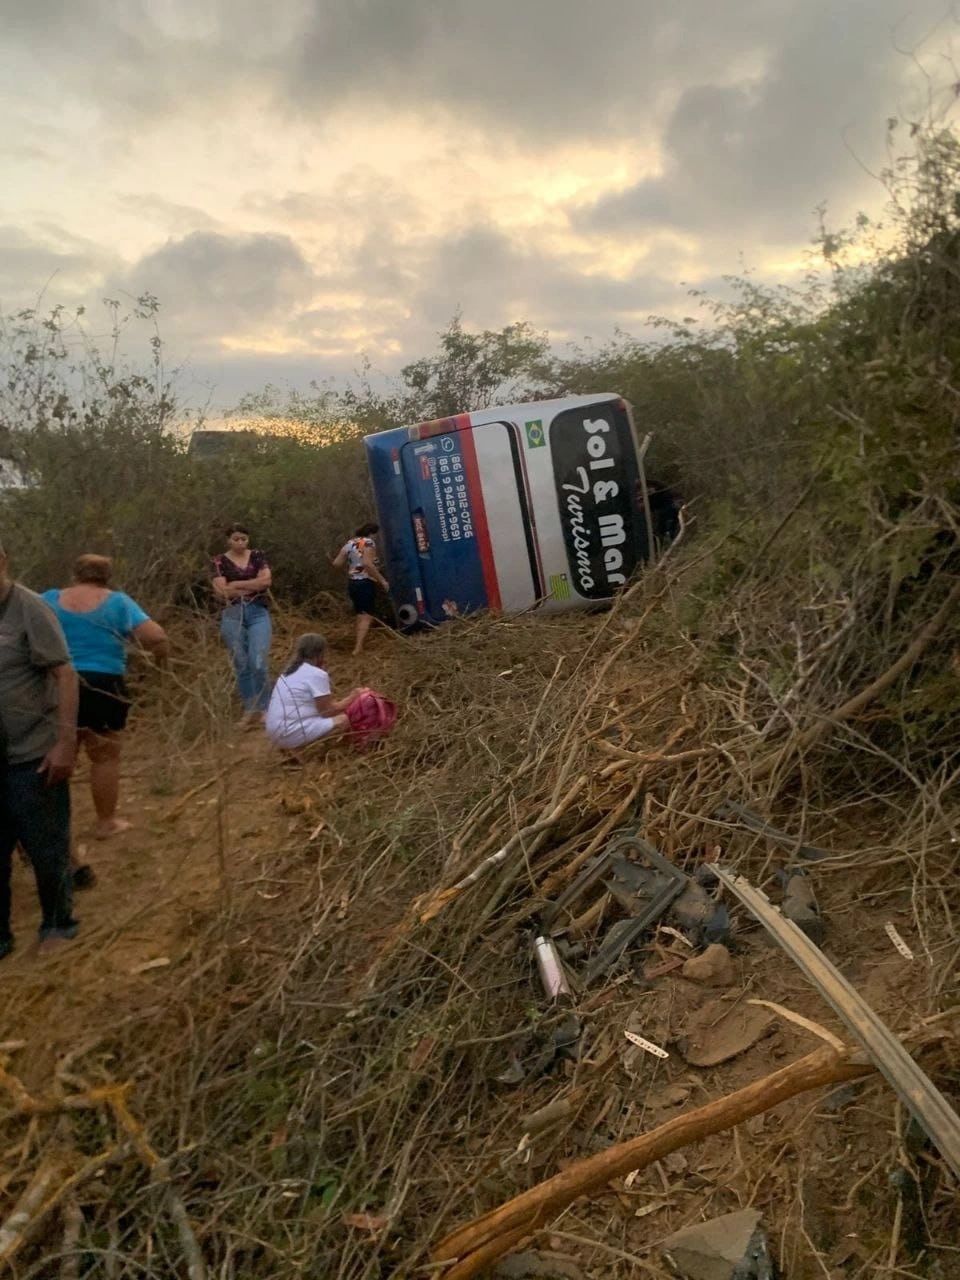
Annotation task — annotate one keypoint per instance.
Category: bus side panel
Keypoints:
(596, 471)
(505, 508)
(568, 523)
(449, 524)
(396, 540)
(500, 474)
(467, 495)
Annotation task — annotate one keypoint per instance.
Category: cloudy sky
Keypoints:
(305, 182)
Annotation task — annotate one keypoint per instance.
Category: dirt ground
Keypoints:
(199, 835)
(223, 836)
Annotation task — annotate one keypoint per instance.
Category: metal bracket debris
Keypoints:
(740, 813)
(639, 878)
(911, 1084)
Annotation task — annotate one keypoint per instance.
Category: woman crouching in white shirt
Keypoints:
(302, 707)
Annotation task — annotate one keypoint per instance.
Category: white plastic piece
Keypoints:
(645, 1045)
(891, 932)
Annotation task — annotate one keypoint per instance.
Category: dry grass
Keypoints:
(316, 1073)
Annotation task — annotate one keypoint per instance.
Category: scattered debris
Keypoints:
(532, 1056)
(891, 931)
(800, 905)
(731, 1247)
(637, 878)
(716, 1032)
(713, 967)
(477, 1244)
(730, 810)
(700, 916)
(633, 1054)
(553, 1113)
(675, 933)
(652, 1207)
(552, 975)
(912, 1085)
(799, 1020)
(646, 1045)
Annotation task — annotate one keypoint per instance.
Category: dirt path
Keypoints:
(205, 822)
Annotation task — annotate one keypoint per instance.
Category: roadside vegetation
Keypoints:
(333, 1101)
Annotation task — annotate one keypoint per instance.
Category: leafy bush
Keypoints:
(108, 470)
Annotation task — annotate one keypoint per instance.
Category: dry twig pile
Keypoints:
(311, 1086)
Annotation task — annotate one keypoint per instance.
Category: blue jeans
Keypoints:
(246, 631)
(38, 817)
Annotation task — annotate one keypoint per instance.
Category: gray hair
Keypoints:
(309, 647)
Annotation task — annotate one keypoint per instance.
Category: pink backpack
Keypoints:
(371, 718)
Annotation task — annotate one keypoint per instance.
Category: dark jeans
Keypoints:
(38, 817)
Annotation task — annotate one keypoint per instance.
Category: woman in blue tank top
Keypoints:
(98, 624)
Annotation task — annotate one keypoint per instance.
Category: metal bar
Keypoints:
(912, 1085)
(754, 822)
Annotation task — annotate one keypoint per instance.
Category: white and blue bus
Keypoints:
(528, 506)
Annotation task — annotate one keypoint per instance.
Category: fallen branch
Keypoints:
(26, 1212)
(72, 1216)
(653, 757)
(28, 1105)
(433, 903)
(159, 1175)
(38, 1200)
(473, 1247)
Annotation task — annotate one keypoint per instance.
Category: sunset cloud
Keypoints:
(308, 182)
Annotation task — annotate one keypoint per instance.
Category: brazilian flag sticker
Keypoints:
(559, 586)
(535, 436)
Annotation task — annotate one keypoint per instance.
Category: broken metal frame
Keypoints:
(915, 1089)
(667, 882)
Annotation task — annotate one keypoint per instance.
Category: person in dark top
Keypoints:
(241, 582)
(38, 748)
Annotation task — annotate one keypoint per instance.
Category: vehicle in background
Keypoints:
(527, 506)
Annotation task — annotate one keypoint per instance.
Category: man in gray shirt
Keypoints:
(38, 747)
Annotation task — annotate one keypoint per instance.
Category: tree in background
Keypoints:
(473, 370)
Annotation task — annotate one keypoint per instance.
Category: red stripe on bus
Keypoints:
(480, 527)
(439, 426)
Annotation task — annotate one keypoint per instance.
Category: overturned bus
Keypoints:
(528, 506)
